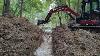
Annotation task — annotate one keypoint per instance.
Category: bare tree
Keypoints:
(6, 8)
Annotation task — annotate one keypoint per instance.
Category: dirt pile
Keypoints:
(75, 43)
(18, 37)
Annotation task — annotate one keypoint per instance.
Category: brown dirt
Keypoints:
(75, 43)
(18, 37)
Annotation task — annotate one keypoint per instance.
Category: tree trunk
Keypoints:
(78, 6)
(69, 4)
(21, 8)
(6, 8)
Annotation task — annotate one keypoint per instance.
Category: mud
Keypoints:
(75, 43)
(19, 37)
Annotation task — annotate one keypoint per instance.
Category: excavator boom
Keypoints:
(65, 9)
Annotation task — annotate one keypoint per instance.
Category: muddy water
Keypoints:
(46, 47)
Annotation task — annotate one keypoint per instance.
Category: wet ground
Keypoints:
(46, 47)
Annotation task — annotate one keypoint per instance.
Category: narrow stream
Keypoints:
(46, 47)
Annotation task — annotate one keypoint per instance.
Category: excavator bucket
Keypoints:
(40, 22)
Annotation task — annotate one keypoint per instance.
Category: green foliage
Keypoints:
(1, 6)
(33, 9)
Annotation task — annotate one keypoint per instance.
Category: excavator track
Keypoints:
(88, 28)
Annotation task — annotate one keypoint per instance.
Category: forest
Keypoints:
(49, 27)
(38, 9)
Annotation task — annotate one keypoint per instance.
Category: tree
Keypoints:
(21, 8)
(6, 8)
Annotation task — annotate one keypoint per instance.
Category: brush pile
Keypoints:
(75, 43)
(18, 37)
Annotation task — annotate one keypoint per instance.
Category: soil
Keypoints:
(19, 37)
(75, 43)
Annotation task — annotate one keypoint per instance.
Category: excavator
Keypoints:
(89, 17)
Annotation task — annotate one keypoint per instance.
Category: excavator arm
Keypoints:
(65, 9)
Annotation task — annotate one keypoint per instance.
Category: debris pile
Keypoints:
(18, 37)
(75, 43)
